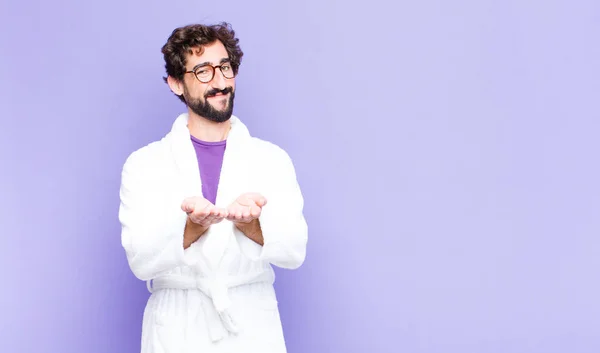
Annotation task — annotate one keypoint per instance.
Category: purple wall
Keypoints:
(452, 180)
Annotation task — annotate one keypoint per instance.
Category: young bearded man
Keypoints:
(207, 210)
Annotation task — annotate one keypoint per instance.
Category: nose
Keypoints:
(219, 81)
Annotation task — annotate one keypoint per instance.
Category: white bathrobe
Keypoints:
(217, 295)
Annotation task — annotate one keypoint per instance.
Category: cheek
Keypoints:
(196, 91)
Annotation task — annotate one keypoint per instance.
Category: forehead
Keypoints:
(213, 53)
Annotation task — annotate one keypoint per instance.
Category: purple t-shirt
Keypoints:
(210, 160)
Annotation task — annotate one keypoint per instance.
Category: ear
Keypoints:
(175, 85)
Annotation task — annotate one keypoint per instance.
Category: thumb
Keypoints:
(187, 206)
(261, 201)
(258, 199)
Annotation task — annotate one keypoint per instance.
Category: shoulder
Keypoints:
(146, 157)
(270, 152)
(156, 153)
(272, 161)
(263, 149)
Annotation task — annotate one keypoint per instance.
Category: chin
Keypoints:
(219, 102)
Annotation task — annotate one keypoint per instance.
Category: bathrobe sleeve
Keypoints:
(152, 222)
(282, 222)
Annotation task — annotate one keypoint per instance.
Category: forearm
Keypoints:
(252, 230)
(156, 246)
(192, 232)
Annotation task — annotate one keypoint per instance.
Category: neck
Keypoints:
(207, 130)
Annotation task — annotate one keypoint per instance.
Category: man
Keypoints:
(208, 210)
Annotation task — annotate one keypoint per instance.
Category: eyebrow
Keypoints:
(224, 60)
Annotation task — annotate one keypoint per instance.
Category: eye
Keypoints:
(226, 67)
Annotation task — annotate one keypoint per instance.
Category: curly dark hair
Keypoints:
(190, 38)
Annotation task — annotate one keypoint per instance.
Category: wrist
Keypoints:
(247, 226)
(192, 232)
(252, 230)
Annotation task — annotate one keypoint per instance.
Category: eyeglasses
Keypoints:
(206, 73)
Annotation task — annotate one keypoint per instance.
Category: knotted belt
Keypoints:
(217, 310)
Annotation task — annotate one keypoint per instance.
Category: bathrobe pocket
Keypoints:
(168, 323)
(258, 312)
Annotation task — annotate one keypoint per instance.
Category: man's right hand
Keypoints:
(201, 215)
(203, 212)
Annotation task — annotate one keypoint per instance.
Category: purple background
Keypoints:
(448, 152)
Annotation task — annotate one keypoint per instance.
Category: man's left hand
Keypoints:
(246, 208)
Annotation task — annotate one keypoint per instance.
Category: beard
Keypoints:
(203, 108)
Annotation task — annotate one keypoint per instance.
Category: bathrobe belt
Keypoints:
(215, 303)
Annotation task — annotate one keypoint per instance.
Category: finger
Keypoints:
(233, 216)
(248, 219)
(230, 214)
(214, 211)
(217, 220)
(200, 215)
(230, 211)
(223, 213)
(213, 215)
(205, 211)
(219, 212)
(187, 206)
(210, 219)
(255, 211)
(261, 202)
(253, 195)
(246, 211)
(216, 215)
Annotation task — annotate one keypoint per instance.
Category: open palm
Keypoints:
(246, 208)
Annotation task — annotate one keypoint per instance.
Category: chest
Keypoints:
(222, 178)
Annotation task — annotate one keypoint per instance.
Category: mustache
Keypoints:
(214, 92)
